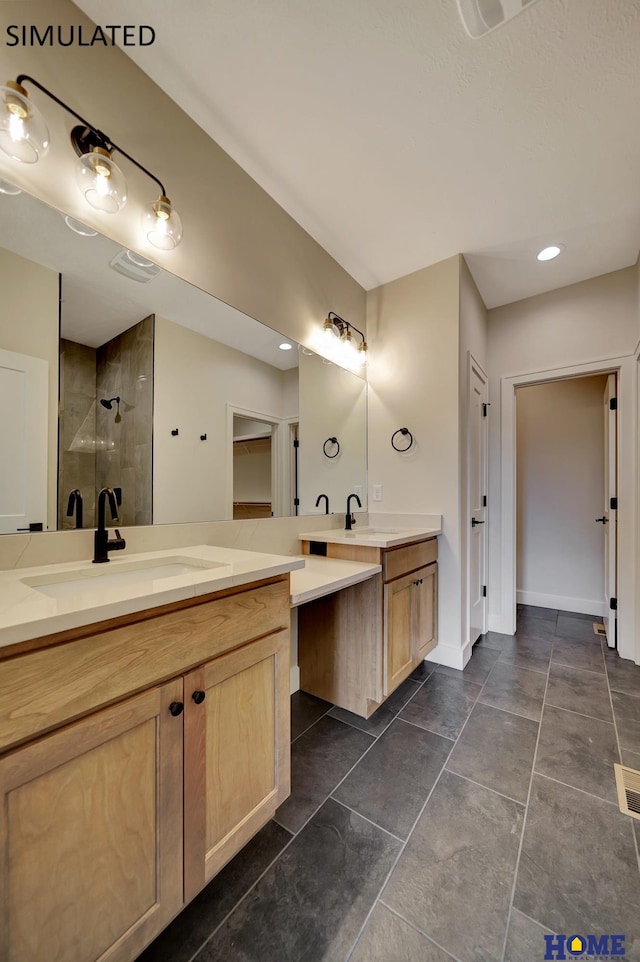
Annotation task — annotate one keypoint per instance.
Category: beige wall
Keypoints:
(586, 322)
(194, 380)
(238, 243)
(560, 491)
(413, 333)
(30, 326)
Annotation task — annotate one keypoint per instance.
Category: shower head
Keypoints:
(108, 404)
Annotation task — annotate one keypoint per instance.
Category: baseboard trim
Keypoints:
(294, 679)
(449, 656)
(583, 606)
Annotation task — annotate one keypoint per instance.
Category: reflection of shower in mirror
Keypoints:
(108, 404)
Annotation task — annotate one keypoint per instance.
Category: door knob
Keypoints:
(603, 520)
(474, 522)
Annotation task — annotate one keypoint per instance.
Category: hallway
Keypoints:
(474, 813)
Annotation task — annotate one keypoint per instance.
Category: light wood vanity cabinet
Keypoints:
(355, 647)
(111, 823)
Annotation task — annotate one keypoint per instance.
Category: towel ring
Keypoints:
(404, 432)
(331, 441)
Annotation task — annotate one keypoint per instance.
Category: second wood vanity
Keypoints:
(357, 645)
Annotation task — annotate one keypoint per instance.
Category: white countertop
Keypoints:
(323, 576)
(26, 612)
(385, 536)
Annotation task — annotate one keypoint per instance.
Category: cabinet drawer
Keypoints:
(398, 561)
(44, 689)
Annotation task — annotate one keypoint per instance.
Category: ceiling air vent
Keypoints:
(481, 16)
(133, 266)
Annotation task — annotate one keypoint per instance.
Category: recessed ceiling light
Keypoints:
(79, 228)
(548, 253)
(285, 346)
(7, 188)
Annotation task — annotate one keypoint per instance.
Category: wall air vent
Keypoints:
(133, 266)
(628, 786)
(482, 16)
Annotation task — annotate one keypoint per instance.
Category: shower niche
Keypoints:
(106, 425)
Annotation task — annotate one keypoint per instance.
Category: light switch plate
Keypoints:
(377, 492)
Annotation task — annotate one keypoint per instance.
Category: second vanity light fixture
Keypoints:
(335, 326)
(24, 136)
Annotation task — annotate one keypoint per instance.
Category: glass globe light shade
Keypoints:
(101, 181)
(161, 224)
(24, 135)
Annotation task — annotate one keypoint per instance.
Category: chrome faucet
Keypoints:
(350, 520)
(319, 499)
(75, 502)
(101, 543)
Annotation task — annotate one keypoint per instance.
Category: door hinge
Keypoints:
(296, 443)
(613, 404)
(485, 408)
(613, 604)
(484, 500)
(484, 591)
(296, 502)
(613, 504)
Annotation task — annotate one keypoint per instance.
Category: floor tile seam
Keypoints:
(423, 729)
(517, 713)
(580, 714)
(245, 895)
(575, 788)
(309, 727)
(366, 818)
(563, 664)
(524, 820)
(531, 919)
(391, 720)
(487, 788)
(420, 931)
(635, 835)
(513, 664)
(400, 853)
(618, 691)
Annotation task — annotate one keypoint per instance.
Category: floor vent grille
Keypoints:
(599, 630)
(628, 785)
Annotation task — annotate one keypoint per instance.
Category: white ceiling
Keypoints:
(98, 303)
(397, 141)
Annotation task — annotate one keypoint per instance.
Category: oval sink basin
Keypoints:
(67, 583)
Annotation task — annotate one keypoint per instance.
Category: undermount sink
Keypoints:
(374, 531)
(67, 583)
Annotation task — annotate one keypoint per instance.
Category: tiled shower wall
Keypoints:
(95, 451)
(124, 368)
(77, 430)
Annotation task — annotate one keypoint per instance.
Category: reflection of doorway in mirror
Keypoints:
(252, 468)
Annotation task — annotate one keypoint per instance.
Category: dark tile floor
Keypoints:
(474, 813)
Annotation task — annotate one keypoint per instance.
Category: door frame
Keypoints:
(278, 455)
(624, 367)
(466, 521)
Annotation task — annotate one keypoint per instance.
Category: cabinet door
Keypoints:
(398, 616)
(91, 835)
(237, 752)
(425, 635)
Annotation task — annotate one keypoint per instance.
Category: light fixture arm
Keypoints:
(345, 325)
(104, 140)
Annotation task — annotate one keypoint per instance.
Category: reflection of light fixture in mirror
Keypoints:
(337, 326)
(285, 346)
(79, 228)
(23, 132)
(138, 260)
(108, 404)
(25, 137)
(161, 224)
(9, 189)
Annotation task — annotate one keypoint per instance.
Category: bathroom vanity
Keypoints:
(144, 739)
(356, 646)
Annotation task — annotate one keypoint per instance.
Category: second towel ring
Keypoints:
(331, 441)
(404, 432)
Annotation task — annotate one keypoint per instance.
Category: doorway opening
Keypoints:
(566, 496)
(253, 448)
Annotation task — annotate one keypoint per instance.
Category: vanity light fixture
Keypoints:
(337, 326)
(79, 228)
(24, 137)
(548, 253)
(9, 189)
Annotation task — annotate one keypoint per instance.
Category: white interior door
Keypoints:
(610, 516)
(24, 427)
(477, 478)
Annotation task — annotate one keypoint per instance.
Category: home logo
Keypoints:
(603, 948)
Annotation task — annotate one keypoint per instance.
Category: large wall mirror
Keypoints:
(116, 373)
